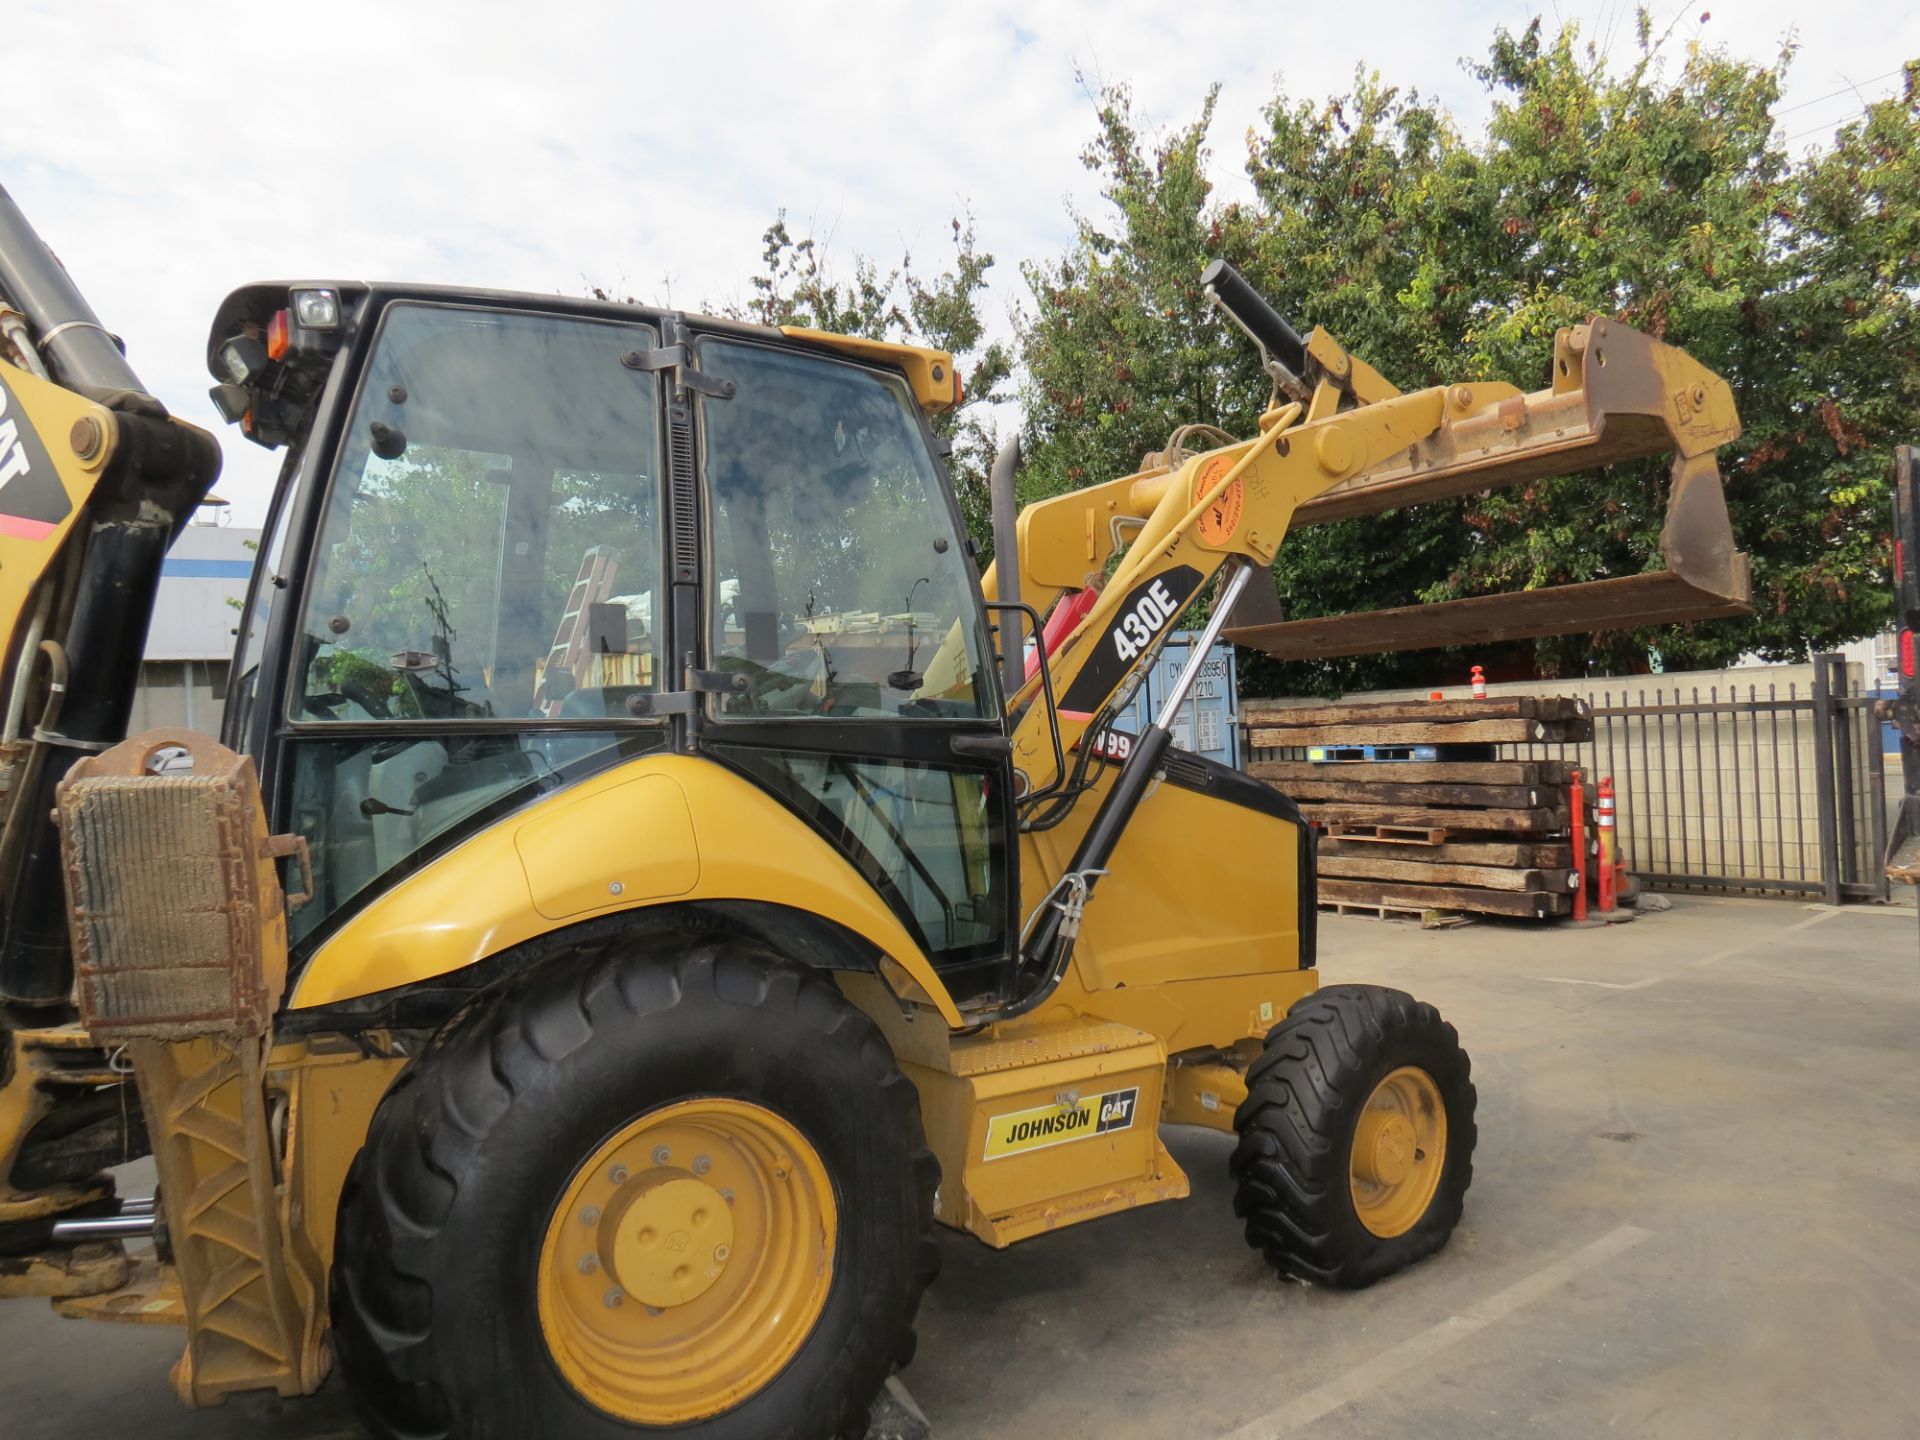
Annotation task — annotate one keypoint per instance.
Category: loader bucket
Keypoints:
(1616, 395)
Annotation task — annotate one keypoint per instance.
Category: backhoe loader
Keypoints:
(649, 878)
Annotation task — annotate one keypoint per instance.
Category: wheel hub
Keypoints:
(1399, 1152)
(668, 1239)
(1384, 1152)
(687, 1260)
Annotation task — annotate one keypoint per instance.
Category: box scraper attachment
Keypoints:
(1616, 395)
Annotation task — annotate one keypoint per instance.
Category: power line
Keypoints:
(1846, 119)
(1851, 89)
(1828, 128)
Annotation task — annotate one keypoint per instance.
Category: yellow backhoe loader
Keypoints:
(631, 903)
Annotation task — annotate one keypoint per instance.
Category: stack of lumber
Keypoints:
(1459, 831)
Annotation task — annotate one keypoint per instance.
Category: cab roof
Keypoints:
(929, 373)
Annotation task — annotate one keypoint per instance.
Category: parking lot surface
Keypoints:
(1695, 1212)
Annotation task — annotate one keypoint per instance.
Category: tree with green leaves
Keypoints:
(1664, 200)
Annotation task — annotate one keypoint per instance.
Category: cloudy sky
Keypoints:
(545, 146)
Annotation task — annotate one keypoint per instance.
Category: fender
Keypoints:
(622, 840)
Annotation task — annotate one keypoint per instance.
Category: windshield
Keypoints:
(491, 546)
(841, 584)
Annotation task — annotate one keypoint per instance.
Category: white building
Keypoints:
(183, 679)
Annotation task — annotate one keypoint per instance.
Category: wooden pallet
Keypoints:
(1388, 834)
(1421, 871)
(1372, 754)
(1549, 774)
(1386, 792)
(1501, 820)
(1505, 720)
(1522, 852)
(1429, 919)
(1525, 905)
(1269, 731)
(1379, 712)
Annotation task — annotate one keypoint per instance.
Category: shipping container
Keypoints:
(1209, 721)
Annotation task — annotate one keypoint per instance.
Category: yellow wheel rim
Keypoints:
(1399, 1152)
(688, 1261)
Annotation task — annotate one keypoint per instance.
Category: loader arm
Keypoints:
(1346, 443)
(1187, 521)
(1355, 445)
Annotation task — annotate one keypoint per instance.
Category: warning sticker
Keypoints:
(1036, 1129)
(1220, 519)
(33, 502)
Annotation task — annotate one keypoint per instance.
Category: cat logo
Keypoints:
(1048, 1125)
(33, 502)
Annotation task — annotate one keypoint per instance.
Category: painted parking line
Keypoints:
(1824, 914)
(1821, 918)
(1323, 1400)
(1892, 911)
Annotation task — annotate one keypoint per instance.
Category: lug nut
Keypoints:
(589, 1263)
(590, 1215)
(661, 1155)
(618, 1174)
(613, 1298)
(701, 1164)
(720, 1253)
(727, 1195)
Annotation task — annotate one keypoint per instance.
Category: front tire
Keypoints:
(1356, 1137)
(678, 1194)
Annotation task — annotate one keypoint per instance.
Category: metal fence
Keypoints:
(1775, 788)
(1750, 790)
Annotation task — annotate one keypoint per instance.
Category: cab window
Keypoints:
(491, 544)
(840, 582)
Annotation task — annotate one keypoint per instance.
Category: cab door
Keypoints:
(843, 608)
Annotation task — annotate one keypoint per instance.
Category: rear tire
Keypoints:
(444, 1265)
(1356, 1137)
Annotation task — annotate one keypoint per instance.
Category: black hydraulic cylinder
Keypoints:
(78, 351)
(1252, 313)
(1109, 824)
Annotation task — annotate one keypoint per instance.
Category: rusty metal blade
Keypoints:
(1616, 395)
(1624, 603)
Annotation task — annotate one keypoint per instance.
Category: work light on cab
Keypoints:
(316, 309)
(244, 358)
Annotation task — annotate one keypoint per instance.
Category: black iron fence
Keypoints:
(1744, 788)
